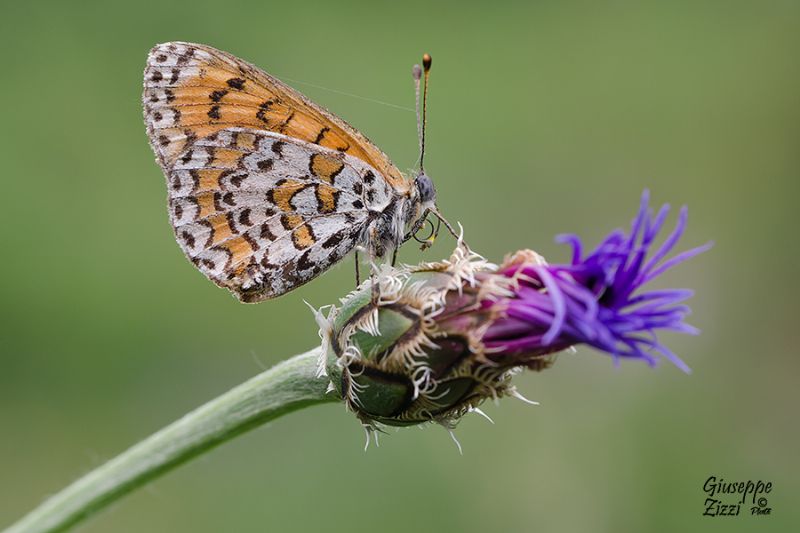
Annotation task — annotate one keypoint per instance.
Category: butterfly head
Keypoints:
(426, 192)
(423, 203)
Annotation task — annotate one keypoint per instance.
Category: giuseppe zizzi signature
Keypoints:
(728, 498)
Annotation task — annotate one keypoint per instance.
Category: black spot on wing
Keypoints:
(188, 238)
(236, 83)
(333, 241)
(216, 96)
(266, 233)
(262, 110)
(303, 263)
(252, 242)
(244, 218)
(321, 134)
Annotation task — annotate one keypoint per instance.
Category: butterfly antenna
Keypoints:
(417, 73)
(422, 121)
(426, 67)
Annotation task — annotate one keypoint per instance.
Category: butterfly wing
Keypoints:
(262, 213)
(193, 90)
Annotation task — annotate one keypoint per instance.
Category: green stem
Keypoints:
(284, 388)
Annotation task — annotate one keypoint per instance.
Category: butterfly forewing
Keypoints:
(193, 90)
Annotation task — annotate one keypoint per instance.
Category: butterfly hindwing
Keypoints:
(261, 213)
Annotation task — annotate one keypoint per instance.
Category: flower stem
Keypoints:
(286, 387)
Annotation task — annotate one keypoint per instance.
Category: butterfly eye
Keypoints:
(425, 188)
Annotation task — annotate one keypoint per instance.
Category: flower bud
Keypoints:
(432, 342)
(409, 351)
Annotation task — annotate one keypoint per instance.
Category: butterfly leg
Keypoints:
(374, 287)
(372, 281)
(374, 250)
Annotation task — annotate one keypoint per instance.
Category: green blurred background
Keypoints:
(545, 117)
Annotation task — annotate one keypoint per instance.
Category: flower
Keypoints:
(432, 342)
(595, 300)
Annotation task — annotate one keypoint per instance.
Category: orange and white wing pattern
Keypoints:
(193, 90)
(261, 213)
(266, 189)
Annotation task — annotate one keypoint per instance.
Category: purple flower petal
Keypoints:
(595, 299)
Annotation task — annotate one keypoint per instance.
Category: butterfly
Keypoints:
(266, 189)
